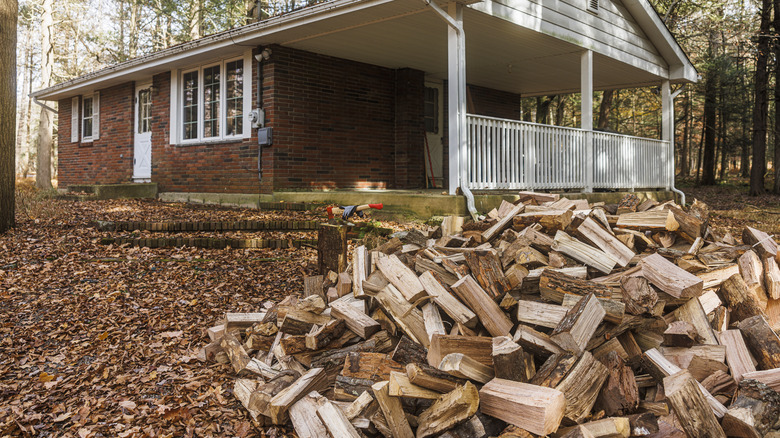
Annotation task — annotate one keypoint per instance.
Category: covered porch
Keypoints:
(528, 48)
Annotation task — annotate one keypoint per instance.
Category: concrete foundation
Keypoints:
(117, 191)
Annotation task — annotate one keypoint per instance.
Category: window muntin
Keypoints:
(213, 102)
(144, 111)
(431, 114)
(87, 112)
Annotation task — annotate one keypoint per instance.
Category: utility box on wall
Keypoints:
(265, 136)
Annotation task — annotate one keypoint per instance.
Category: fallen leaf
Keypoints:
(63, 417)
(128, 404)
(45, 377)
(175, 334)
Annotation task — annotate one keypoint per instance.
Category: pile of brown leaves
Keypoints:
(99, 341)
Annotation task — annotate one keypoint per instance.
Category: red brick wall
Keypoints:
(336, 126)
(211, 168)
(108, 160)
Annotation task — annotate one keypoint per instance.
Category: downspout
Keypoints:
(671, 146)
(35, 99)
(461, 38)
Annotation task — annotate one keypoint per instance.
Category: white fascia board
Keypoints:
(163, 59)
(680, 67)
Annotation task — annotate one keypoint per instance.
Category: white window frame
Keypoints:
(177, 102)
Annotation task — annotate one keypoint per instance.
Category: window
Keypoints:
(144, 111)
(90, 118)
(431, 110)
(212, 102)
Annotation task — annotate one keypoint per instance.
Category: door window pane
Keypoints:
(144, 111)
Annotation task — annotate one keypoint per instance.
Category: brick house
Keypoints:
(354, 94)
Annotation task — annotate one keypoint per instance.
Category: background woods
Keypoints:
(726, 123)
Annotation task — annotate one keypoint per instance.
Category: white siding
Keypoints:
(612, 32)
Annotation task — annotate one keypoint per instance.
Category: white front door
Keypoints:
(434, 127)
(142, 150)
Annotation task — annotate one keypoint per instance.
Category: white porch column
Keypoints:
(586, 108)
(454, 70)
(667, 130)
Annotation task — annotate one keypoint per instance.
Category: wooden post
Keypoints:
(332, 248)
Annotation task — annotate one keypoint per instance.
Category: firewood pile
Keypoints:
(550, 317)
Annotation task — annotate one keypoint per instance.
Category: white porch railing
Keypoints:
(510, 154)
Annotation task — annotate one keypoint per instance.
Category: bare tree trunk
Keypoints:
(710, 114)
(543, 108)
(698, 159)
(135, 18)
(685, 160)
(196, 22)
(776, 47)
(560, 110)
(604, 108)
(43, 165)
(761, 104)
(8, 16)
(21, 126)
(27, 144)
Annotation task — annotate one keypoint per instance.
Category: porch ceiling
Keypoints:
(394, 34)
(499, 54)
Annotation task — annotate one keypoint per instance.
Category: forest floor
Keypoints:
(100, 340)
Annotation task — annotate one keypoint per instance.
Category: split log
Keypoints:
(534, 408)
(541, 314)
(290, 345)
(693, 313)
(314, 380)
(379, 343)
(321, 336)
(716, 277)
(670, 278)
(605, 241)
(432, 320)
(690, 406)
(504, 222)
(580, 323)
(577, 432)
(370, 366)
(655, 220)
(312, 285)
(680, 334)
(335, 421)
(754, 412)
(260, 399)
(581, 386)
(392, 410)
(550, 219)
(487, 270)
(432, 378)
(243, 389)
(615, 310)
(408, 351)
(460, 365)
(508, 359)
(448, 303)
(235, 352)
(770, 378)
(401, 386)
(638, 296)
(660, 368)
(297, 322)
(332, 248)
(553, 370)
(405, 314)
(720, 383)
(553, 285)
(535, 342)
(584, 253)
(614, 427)
(491, 316)
(762, 341)
(762, 242)
(530, 258)
(772, 277)
(479, 348)
(215, 333)
(303, 415)
(400, 276)
(752, 271)
(690, 226)
(242, 321)
(620, 394)
(357, 321)
(448, 411)
(737, 354)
